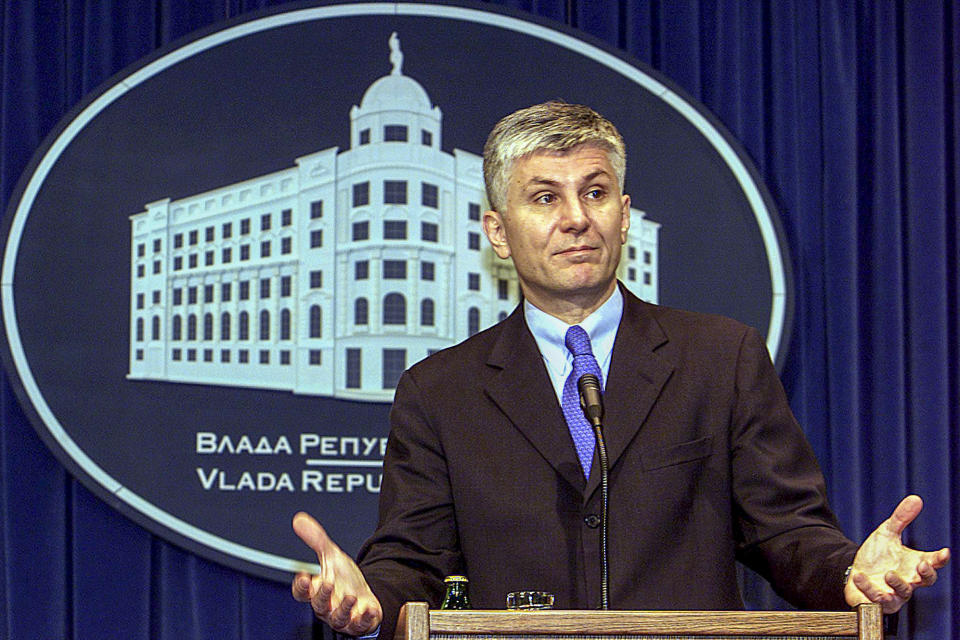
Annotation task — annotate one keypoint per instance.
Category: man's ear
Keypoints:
(496, 233)
(624, 218)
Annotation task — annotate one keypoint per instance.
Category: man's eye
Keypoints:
(545, 198)
(595, 194)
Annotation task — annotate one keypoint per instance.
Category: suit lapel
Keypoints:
(637, 375)
(517, 381)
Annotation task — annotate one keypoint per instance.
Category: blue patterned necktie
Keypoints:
(578, 342)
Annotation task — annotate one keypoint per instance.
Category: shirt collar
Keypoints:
(601, 326)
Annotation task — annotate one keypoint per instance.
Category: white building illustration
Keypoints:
(334, 275)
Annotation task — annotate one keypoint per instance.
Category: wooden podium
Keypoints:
(418, 622)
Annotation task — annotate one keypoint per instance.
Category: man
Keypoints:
(482, 475)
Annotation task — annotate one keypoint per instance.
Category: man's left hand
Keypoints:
(887, 572)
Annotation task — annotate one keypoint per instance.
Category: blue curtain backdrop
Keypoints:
(850, 111)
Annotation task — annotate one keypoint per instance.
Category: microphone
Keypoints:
(591, 398)
(591, 401)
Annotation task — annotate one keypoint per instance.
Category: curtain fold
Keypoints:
(850, 111)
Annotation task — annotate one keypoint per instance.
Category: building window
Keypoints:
(155, 328)
(647, 257)
(178, 241)
(647, 278)
(429, 231)
(225, 291)
(473, 320)
(361, 194)
(141, 250)
(244, 290)
(156, 296)
(394, 229)
(177, 265)
(139, 354)
(286, 246)
(632, 274)
(426, 312)
(473, 211)
(316, 321)
(139, 329)
(225, 355)
(193, 237)
(225, 326)
(395, 133)
(394, 362)
(632, 253)
(191, 355)
(227, 230)
(361, 230)
(473, 241)
(286, 286)
(361, 310)
(192, 261)
(177, 330)
(191, 327)
(243, 326)
(501, 316)
(394, 309)
(473, 281)
(177, 296)
(264, 356)
(208, 234)
(285, 357)
(353, 369)
(503, 289)
(264, 325)
(285, 324)
(245, 226)
(426, 138)
(394, 192)
(208, 355)
(316, 238)
(208, 293)
(156, 245)
(140, 300)
(428, 195)
(265, 249)
(244, 252)
(316, 357)
(394, 269)
(316, 209)
(208, 326)
(426, 271)
(365, 136)
(316, 279)
(176, 355)
(191, 295)
(264, 288)
(226, 256)
(286, 216)
(265, 222)
(243, 356)
(361, 270)
(156, 267)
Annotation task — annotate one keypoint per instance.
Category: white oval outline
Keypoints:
(246, 554)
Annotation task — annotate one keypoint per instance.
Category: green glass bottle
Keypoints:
(456, 596)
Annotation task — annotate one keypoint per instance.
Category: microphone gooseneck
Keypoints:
(591, 401)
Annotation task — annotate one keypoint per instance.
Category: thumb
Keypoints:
(310, 531)
(905, 513)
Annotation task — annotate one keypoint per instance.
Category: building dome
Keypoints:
(395, 92)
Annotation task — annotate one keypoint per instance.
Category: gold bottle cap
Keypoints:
(449, 579)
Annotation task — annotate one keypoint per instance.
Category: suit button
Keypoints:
(592, 521)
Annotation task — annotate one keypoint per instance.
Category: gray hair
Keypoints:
(551, 126)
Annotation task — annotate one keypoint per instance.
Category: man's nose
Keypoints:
(574, 215)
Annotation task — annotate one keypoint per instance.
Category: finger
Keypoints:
(870, 590)
(928, 575)
(301, 587)
(339, 618)
(905, 513)
(310, 531)
(901, 587)
(939, 558)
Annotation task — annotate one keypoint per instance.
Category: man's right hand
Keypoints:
(339, 594)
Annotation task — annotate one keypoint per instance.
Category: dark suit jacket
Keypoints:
(707, 466)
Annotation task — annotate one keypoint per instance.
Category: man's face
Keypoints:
(564, 224)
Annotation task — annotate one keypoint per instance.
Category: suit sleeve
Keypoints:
(415, 544)
(787, 530)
